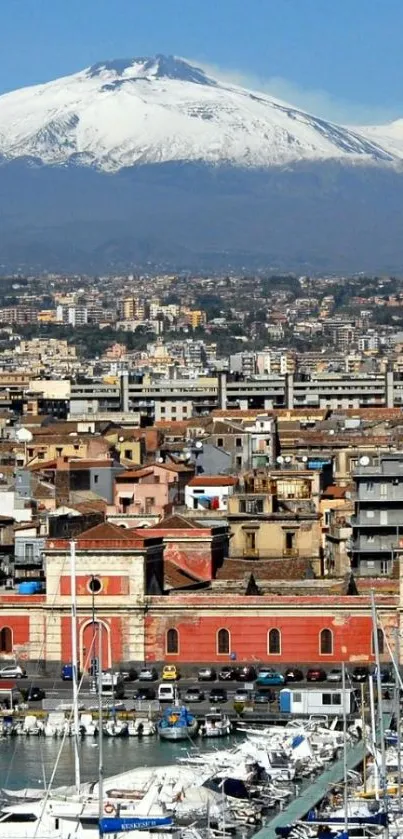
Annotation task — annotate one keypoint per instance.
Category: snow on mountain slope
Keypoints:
(389, 136)
(150, 110)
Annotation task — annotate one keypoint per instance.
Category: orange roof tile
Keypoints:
(213, 481)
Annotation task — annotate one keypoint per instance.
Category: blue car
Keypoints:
(269, 677)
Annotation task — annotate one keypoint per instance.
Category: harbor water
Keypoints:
(30, 761)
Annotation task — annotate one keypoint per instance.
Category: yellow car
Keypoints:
(170, 673)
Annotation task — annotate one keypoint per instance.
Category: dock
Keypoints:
(313, 794)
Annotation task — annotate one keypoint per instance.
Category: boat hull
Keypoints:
(182, 732)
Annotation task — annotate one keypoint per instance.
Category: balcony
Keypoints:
(290, 553)
(250, 553)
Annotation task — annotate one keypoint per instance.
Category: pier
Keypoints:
(313, 794)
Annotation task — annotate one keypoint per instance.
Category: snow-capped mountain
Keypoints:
(163, 109)
(389, 136)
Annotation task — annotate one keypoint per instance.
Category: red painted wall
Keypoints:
(299, 636)
(115, 625)
(110, 585)
(193, 557)
(19, 624)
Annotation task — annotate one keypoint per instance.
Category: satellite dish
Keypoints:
(121, 439)
(160, 460)
(364, 460)
(288, 459)
(24, 435)
(280, 459)
(304, 459)
(199, 444)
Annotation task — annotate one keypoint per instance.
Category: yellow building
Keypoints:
(195, 317)
(47, 316)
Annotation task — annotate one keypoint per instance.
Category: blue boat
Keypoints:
(124, 825)
(177, 723)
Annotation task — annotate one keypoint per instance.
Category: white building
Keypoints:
(209, 492)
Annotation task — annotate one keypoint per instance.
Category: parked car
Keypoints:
(67, 673)
(293, 675)
(360, 674)
(206, 674)
(218, 695)
(316, 674)
(145, 694)
(148, 674)
(170, 673)
(262, 697)
(228, 674)
(34, 694)
(334, 675)
(129, 675)
(194, 695)
(242, 695)
(246, 674)
(269, 676)
(13, 671)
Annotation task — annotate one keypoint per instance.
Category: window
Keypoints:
(242, 505)
(384, 490)
(331, 698)
(128, 454)
(250, 540)
(59, 451)
(223, 642)
(76, 447)
(94, 585)
(220, 442)
(297, 697)
(384, 566)
(41, 455)
(370, 485)
(238, 442)
(6, 640)
(326, 642)
(238, 462)
(149, 504)
(29, 552)
(274, 645)
(96, 477)
(289, 541)
(156, 479)
(381, 642)
(172, 642)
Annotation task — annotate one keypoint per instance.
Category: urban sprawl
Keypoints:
(225, 454)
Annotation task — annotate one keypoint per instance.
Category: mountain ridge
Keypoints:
(127, 112)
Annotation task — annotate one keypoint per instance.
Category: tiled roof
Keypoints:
(177, 522)
(177, 578)
(213, 481)
(264, 569)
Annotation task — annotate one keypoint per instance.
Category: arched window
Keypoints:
(6, 640)
(223, 642)
(381, 642)
(274, 642)
(172, 641)
(326, 642)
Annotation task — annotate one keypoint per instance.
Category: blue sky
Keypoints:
(342, 59)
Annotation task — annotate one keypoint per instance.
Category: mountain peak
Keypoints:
(157, 67)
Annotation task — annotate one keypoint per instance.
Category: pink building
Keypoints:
(151, 490)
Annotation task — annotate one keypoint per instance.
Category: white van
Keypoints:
(167, 693)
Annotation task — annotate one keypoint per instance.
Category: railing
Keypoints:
(290, 552)
(251, 552)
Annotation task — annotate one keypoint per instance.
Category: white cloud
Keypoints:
(318, 102)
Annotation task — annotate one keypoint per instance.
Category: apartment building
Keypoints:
(377, 540)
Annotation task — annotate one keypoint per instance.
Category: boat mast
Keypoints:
(74, 662)
(100, 729)
(343, 676)
(379, 692)
(397, 713)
